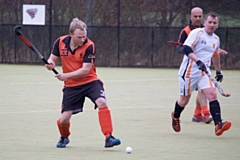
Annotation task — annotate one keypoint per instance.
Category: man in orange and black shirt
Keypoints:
(77, 54)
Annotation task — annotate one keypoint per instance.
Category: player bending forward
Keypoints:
(77, 54)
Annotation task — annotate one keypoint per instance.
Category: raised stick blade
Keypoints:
(17, 28)
(217, 85)
(175, 43)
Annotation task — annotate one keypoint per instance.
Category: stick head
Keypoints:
(226, 94)
(17, 27)
(175, 43)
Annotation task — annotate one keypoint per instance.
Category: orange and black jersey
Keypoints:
(185, 32)
(73, 60)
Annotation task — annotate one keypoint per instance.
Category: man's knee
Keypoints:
(65, 117)
(211, 94)
(101, 102)
(183, 101)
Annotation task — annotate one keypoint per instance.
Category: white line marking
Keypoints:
(107, 81)
(44, 111)
(87, 109)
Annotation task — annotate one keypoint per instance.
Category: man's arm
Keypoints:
(86, 67)
(54, 56)
(182, 38)
(180, 50)
(52, 60)
(217, 65)
(222, 51)
(189, 52)
(193, 57)
(216, 62)
(80, 72)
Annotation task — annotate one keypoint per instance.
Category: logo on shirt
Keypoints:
(213, 45)
(203, 42)
(91, 56)
(80, 55)
(102, 93)
(64, 52)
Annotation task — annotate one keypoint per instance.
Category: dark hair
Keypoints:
(212, 14)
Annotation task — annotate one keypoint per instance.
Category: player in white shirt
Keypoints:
(204, 47)
(200, 48)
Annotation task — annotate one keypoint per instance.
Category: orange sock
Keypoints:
(197, 111)
(205, 110)
(63, 129)
(105, 120)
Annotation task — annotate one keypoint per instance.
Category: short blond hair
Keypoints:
(77, 24)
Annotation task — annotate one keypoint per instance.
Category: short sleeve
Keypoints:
(90, 54)
(55, 49)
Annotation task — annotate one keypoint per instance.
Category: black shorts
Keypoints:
(74, 97)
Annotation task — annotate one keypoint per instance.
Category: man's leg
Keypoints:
(105, 121)
(179, 107)
(215, 110)
(201, 113)
(64, 128)
(197, 116)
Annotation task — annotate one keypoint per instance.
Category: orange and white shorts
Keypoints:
(188, 85)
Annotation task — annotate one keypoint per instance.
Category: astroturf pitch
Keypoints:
(140, 100)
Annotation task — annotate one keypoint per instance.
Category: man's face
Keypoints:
(211, 24)
(196, 18)
(79, 37)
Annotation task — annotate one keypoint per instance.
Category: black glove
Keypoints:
(201, 65)
(219, 76)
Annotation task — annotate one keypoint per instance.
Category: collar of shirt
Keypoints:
(66, 41)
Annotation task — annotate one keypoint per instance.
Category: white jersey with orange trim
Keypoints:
(204, 46)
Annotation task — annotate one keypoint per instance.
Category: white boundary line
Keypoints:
(108, 81)
(87, 109)
(84, 109)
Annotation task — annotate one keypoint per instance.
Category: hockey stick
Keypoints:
(217, 85)
(175, 43)
(30, 45)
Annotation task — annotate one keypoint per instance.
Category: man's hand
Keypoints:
(222, 52)
(201, 65)
(219, 76)
(50, 66)
(61, 76)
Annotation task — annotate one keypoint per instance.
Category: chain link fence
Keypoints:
(117, 44)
